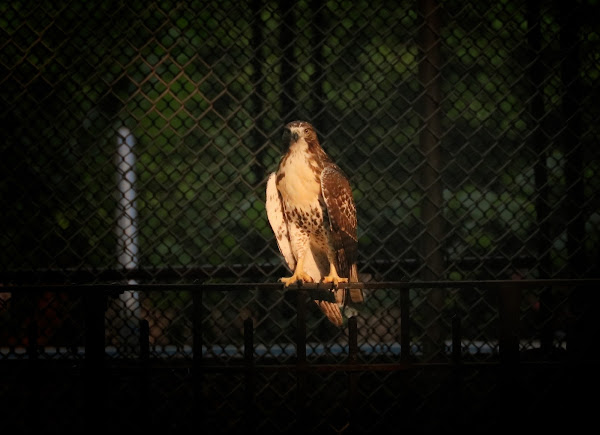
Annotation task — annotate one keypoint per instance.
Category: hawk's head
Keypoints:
(300, 131)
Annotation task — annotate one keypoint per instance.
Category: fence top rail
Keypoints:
(371, 285)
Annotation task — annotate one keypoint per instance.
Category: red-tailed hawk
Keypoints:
(311, 210)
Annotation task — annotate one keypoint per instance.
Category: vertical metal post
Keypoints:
(145, 412)
(127, 231)
(456, 404)
(197, 345)
(432, 218)
(95, 305)
(509, 301)
(353, 375)
(301, 327)
(250, 379)
(352, 340)
(144, 340)
(34, 377)
(32, 336)
(301, 395)
(456, 340)
(95, 388)
(405, 324)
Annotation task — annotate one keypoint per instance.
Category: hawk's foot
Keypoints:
(334, 278)
(297, 276)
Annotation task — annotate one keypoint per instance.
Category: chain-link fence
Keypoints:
(138, 136)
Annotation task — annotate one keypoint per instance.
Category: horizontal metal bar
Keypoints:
(371, 285)
(317, 367)
(366, 367)
(134, 365)
(249, 271)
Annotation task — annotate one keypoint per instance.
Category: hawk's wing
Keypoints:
(277, 220)
(342, 217)
(341, 210)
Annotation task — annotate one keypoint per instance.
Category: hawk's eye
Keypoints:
(306, 131)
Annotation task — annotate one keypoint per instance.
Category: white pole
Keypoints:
(127, 231)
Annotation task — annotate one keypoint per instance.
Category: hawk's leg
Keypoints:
(299, 274)
(300, 245)
(333, 275)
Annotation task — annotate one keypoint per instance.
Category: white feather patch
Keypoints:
(277, 221)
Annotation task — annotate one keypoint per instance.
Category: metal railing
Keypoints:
(103, 373)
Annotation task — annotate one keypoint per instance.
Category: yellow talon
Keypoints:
(334, 279)
(333, 276)
(297, 276)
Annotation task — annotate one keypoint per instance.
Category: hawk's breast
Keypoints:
(298, 179)
(299, 182)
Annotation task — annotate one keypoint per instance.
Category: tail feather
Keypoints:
(343, 297)
(316, 265)
(356, 294)
(331, 311)
(353, 273)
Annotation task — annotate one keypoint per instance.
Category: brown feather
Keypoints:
(332, 312)
(341, 211)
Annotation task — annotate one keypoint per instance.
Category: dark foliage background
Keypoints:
(495, 145)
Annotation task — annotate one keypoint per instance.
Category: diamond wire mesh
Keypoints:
(468, 130)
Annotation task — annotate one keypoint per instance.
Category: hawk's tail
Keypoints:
(353, 273)
(331, 310)
(356, 294)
